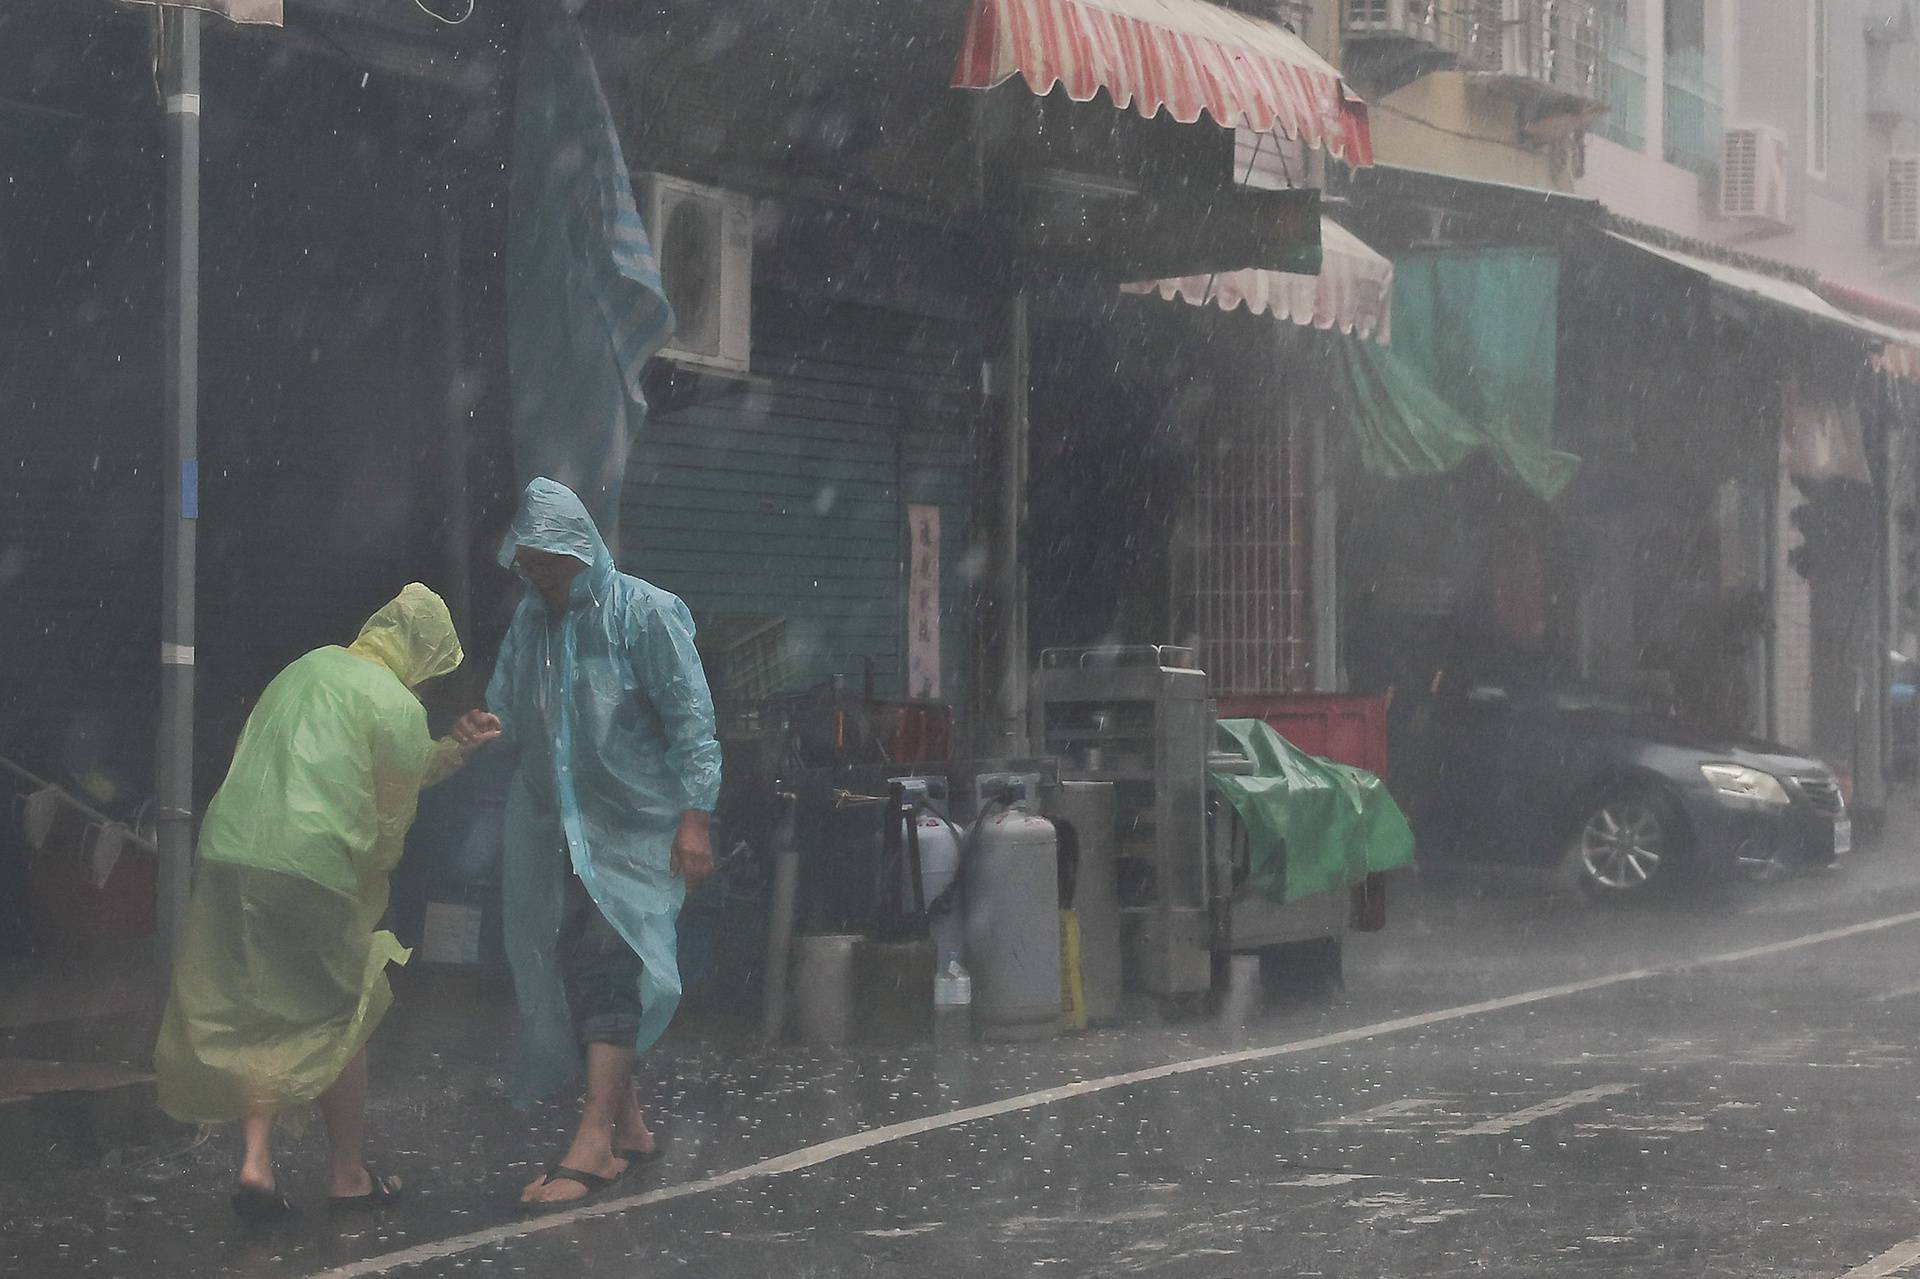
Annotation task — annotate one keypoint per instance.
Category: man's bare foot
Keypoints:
(254, 1179)
(630, 1131)
(357, 1182)
(559, 1190)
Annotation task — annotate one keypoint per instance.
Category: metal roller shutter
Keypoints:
(785, 495)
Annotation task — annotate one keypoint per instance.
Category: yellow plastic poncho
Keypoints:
(281, 976)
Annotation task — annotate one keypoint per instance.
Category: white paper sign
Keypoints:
(923, 602)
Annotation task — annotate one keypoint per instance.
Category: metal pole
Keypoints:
(1010, 585)
(180, 476)
(458, 416)
(786, 889)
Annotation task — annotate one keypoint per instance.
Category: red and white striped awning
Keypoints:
(1353, 292)
(1186, 56)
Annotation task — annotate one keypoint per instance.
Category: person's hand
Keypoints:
(475, 729)
(693, 847)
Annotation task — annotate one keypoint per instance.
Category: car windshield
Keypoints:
(959, 638)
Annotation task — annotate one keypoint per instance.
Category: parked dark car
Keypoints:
(1620, 797)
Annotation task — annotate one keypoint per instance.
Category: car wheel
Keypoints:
(1628, 840)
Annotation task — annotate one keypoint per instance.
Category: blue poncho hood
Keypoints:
(553, 519)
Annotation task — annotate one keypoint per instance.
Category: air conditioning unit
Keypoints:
(704, 240)
(1421, 20)
(1753, 175)
(1900, 203)
(1375, 15)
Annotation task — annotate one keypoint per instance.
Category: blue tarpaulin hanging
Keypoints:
(1471, 369)
(585, 306)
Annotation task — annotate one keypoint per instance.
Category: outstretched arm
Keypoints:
(470, 732)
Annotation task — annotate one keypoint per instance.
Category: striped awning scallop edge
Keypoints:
(1353, 292)
(1181, 56)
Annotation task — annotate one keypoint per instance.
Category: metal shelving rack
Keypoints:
(1139, 717)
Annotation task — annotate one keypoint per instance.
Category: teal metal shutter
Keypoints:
(785, 495)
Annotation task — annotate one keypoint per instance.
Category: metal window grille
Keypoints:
(1250, 567)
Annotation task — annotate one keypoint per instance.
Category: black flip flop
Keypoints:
(594, 1183)
(259, 1207)
(386, 1192)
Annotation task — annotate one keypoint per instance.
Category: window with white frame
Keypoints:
(1818, 112)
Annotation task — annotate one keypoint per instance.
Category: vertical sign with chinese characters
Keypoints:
(923, 602)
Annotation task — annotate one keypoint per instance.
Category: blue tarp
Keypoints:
(585, 306)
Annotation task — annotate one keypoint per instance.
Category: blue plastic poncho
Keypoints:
(281, 973)
(608, 707)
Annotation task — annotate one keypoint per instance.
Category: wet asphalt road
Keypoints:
(1757, 1116)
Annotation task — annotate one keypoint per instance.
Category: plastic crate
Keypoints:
(745, 655)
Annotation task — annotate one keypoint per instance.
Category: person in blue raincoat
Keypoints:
(599, 687)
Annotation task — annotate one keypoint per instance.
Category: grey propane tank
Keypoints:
(1013, 926)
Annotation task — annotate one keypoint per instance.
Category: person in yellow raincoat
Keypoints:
(280, 976)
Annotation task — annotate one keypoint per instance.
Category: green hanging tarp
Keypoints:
(1471, 368)
(1313, 826)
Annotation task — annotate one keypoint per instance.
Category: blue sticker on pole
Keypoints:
(190, 490)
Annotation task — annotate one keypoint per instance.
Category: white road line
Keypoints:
(1391, 1110)
(1543, 1110)
(854, 1143)
(1887, 996)
(1321, 1180)
(1890, 1262)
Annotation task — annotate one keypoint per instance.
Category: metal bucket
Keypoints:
(823, 971)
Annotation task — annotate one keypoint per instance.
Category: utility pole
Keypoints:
(1010, 571)
(180, 474)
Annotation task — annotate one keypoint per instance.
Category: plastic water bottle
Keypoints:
(952, 1003)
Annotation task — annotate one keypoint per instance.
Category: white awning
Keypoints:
(1353, 292)
(1771, 291)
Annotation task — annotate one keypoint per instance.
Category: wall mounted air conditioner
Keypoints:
(1900, 203)
(1753, 175)
(704, 240)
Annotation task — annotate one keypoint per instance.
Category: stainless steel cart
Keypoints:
(1139, 717)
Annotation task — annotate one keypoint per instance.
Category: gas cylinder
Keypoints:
(939, 864)
(1013, 926)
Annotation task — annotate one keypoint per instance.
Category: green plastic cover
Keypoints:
(1313, 826)
(1471, 368)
